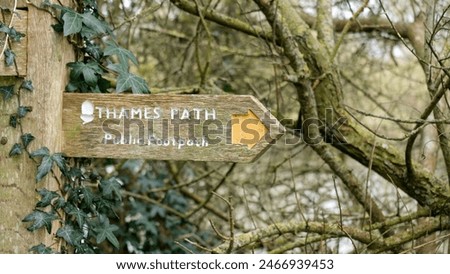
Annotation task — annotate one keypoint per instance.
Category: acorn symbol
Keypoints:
(87, 112)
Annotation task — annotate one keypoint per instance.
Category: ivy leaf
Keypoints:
(87, 196)
(90, 21)
(123, 54)
(44, 168)
(15, 35)
(157, 211)
(46, 4)
(43, 151)
(88, 70)
(117, 68)
(27, 138)
(10, 56)
(77, 84)
(103, 84)
(12, 32)
(40, 219)
(79, 215)
(13, 120)
(88, 33)
(149, 226)
(66, 233)
(110, 188)
(127, 81)
(15, 150)
(7, 92)
(93, 50)
(59, 203)
(59, 28)
(41, 249)
(105, 231)
(70, 234)
(102, 204)
(23, 110)
(75, 173)
(27, 85)
(46, 197)
(4, 28)
(58, 158)
(73, 22)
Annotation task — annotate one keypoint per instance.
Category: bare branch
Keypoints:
(211, 14)
(347, 27)
(325, 26)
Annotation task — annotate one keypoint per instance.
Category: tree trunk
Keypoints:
(48, 52)
(309, 59)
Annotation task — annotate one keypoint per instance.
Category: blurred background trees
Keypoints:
(376, 183)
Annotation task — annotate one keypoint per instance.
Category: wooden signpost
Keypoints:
(230, 128)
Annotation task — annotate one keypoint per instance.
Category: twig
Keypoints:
(181, 185)
(152, 201)
(143, 13)
(421, 60)
(184, 247)
(200, 206)
(198, 246)
(218, 233)
(409, 135)
(408, 151)
(371, 98)
(347, 27)
(230, 221)
(398, 120)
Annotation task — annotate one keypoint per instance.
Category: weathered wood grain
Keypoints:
(9, 4)
(20, 23)
(88, 140)
(49, 52)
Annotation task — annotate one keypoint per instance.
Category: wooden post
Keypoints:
(47, 54)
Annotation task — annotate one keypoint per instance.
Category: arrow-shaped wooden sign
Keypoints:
(234, 128)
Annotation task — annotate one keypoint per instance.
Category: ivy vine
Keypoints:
(85, 205)
(84, 202)
(89, 74)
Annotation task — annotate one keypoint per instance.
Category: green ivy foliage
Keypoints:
(149, 227)
(90, 211)
(14, 36)
(87, 74)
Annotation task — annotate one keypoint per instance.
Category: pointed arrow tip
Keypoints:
(247, 129)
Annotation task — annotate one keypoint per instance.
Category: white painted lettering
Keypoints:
(148, 113)
(181, 143)
(108, 137)
(110, 113)
(123, 113)
(196, 113)
(185, 115)
(136, 112)
(100, 110)
(210, 115)
(173, 112)
(157, 111)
